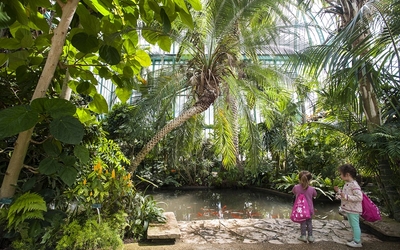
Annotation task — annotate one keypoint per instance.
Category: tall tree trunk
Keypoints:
(371, 107)
(21, 146)
(66, 90)
(373, 116)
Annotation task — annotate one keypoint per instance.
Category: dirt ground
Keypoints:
(322, 245)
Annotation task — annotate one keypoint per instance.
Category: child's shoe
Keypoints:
(302, 238)
(354, 244)
(311, 239)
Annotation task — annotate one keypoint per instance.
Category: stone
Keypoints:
(276, 231)
(164, 231)
(385, 229)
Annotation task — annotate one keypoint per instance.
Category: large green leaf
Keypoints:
(36, 60)
(128, 71)
(52, 147)
(9, 43)
(83, 87)
(17, 59)
(143, 58)
(186, 19)
(165, 21)
(55, 107)
(129, 46)
(59, 107)
(68, 160)
(3, 58)
(182, 5)
(123, 94)
(132, 36)
(105, 73)
(131, 19)
(40, 3)
(82, 153)
(24, 36)
(99, 104)
(89, 22)
(84, 115)
(43, 41)
(38, 22)
(118, 81)
(109, 54)
(67, 129)
(68, 175)
(49, 166)
(84, 42)
(196, 4)
(19, 11)
(165, 43)
(150, 36)
(99, 6)
(17, 119)
(29, 184)
(23, 74)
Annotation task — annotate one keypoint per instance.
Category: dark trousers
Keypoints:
(306, 226)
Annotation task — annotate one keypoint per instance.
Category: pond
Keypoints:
(207, 204)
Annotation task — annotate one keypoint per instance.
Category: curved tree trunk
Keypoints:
(198, 108)
(21, 146)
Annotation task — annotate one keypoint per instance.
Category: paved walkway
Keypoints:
(262, 234)
(276, 231)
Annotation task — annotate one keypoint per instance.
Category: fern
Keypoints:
(27, 206)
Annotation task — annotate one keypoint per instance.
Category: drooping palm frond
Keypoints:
(223, 138)
(384, 141)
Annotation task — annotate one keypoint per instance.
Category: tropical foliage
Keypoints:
(323, 186)
(53, 54)
(219, 68)
(66, 177)
(362, 60)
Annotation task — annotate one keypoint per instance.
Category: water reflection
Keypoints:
(233, 204)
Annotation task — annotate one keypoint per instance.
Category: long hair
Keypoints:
(304, 179)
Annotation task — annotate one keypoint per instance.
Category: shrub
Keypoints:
(90, 235)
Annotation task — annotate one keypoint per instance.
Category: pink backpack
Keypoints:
(300, 210)
(370, 210)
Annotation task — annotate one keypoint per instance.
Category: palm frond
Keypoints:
(224, 138)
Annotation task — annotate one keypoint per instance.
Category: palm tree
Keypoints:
(216, 73)
(362, 60)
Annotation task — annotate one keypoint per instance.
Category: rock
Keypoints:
(164, 231)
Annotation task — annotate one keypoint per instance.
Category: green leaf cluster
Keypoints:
(146, 210)
(102, 44)
(26, 207)
(89, 235)
(58, 112)
(103, 180)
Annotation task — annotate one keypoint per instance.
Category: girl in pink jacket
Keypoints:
(310, 193)
(351, 201)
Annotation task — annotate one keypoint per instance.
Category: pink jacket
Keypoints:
(351, 203)
(309, 193)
